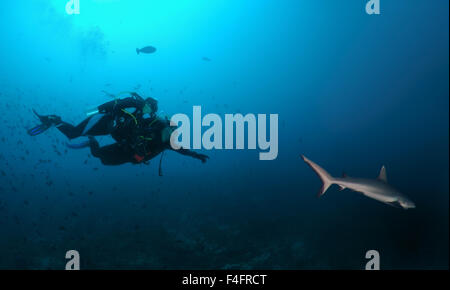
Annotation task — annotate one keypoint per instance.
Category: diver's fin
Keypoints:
(79, 145)
(37, 115)
(48, 120)
(39, 129)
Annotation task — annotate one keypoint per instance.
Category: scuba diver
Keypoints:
(149, 141)
(113, 116)
(138, 139)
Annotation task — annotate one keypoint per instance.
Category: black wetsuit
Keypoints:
(113, 118)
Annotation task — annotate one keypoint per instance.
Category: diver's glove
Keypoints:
(202, 157)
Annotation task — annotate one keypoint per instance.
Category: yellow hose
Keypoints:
(132, 116)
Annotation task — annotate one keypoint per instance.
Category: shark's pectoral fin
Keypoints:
(394, 204)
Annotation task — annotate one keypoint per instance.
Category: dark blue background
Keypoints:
(353, 92)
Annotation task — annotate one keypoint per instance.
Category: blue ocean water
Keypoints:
(353, 92)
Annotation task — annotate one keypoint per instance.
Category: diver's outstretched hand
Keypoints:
(203, 157)
(187, 152)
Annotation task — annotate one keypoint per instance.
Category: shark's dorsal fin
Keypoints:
(344, 175)
(382, 176)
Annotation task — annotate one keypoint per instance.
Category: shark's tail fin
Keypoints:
(326, 178)
(137, 50)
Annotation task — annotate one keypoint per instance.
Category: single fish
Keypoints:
(206, 58)
(377, 189)
(147, 49)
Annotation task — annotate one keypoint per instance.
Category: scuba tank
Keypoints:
(91, 112)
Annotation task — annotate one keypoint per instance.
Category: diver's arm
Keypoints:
(187, 152)
(165, 138)
(117, 105)
(130, 102)
(107, 107)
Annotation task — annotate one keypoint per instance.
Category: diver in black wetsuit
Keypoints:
(138, 139)
(112, 117)
(148, 141)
